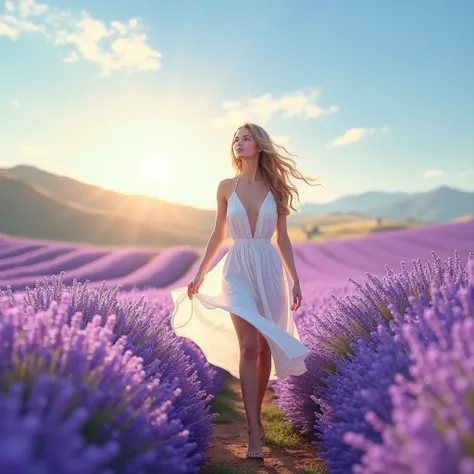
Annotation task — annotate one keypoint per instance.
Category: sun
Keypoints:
(154, 170)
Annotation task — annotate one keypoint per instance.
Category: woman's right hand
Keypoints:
(194, 285)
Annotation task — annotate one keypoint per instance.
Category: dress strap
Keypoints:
(236, 183)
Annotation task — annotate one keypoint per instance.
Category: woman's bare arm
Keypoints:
(285, 247)
(219, 233)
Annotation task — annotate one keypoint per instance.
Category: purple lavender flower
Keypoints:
(331, 330)
(358, 398)
(210, 377)
(432, 426)
(149, 336)
(74, 401)
(359, 385)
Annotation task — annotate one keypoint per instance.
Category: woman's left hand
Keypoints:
(297, 296)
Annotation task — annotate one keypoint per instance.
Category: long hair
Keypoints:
(276, 168)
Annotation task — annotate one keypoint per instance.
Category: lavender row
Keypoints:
(342, 259)
(179, 438)
(13, 249)
(329, 263)
(186, 277)
(64, 263)
(330, 323)
(160, 271)
(367, 350)
(400, 387)
(34, 257)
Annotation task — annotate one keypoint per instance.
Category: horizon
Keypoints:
(441, 186)
(129, 96)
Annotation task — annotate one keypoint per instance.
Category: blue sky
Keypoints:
(144, 96)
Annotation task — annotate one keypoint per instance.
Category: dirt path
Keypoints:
(230, 444)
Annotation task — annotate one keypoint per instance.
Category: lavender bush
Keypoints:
(359, 390)
(331, 331)
(432, 420)
(360, 385)
(73, 400)
(149, 336)
(210, 377)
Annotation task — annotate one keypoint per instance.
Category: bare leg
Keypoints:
(248, 342)
(264, 365)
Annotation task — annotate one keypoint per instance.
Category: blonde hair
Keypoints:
(275, 166)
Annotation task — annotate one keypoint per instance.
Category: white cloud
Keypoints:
(433, 173)
(262, 109)
(469, 172)
(354, 135)
(112, 47)
(26, 8)
(9, 31)
(15, 103)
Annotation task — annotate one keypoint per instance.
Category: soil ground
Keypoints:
(286, 452)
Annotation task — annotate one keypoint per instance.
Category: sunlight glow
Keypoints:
(154, 170)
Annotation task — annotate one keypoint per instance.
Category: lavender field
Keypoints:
(88, 358)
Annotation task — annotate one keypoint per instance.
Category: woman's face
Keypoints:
(244, 145)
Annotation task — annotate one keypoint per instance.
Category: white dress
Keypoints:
(249, 281)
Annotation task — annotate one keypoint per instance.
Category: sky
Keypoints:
(144, 96)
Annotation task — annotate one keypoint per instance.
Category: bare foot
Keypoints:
(254, 450)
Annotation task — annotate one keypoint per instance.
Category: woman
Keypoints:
(238, 313)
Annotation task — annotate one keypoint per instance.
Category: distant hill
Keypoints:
(354, 203)
(143, 210)
(29, 211)
(442, 204)
(439, 205)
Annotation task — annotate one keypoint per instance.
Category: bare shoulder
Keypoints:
(226, 186)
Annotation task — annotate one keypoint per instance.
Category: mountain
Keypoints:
(354, 203)
(439, 205)
(29, 211)
(154, 212)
